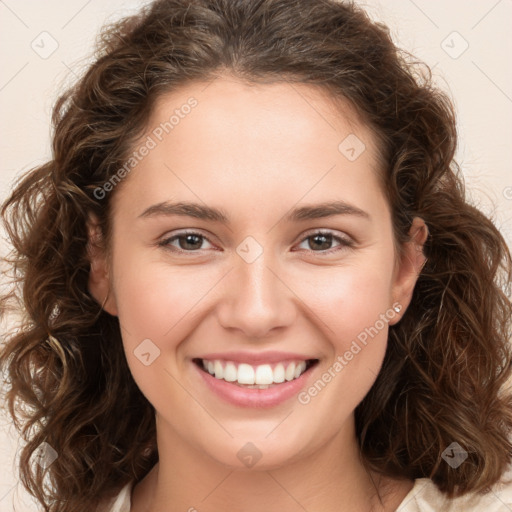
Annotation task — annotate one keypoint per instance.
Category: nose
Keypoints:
(256, 301)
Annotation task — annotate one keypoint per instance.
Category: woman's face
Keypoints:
(269, 280)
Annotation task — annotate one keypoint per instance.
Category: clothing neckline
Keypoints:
(123, 502)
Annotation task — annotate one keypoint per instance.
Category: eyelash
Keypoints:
(344, 242)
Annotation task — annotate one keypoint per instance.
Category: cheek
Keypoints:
(155, 299)
(158, 308)
(355, 307)
(349, 299)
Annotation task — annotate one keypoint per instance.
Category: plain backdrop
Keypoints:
(45, 45)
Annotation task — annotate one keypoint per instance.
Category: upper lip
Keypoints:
(255, 357)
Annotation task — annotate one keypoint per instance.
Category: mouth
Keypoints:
(257, 377)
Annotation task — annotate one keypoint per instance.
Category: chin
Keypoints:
(258, 455)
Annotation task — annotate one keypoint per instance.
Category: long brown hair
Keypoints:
(448, 359)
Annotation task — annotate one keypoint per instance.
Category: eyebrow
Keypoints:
(203, 212)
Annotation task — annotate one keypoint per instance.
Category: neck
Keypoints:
(331, 479)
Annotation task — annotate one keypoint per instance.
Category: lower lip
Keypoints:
(247, 397)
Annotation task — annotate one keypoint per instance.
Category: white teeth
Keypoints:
(260, 376)
(230, 373)
(245, 374)
(219, 371)
(299, 369)
(279, 374)
(264, 374)
(290, 371)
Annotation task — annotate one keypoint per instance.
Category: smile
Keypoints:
(262, 379)
(259, 376)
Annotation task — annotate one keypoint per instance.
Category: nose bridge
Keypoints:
(255, 299)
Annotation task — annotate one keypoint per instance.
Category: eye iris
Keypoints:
(190, 239)
(325, 240)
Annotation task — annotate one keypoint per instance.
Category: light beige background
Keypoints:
(479, 80)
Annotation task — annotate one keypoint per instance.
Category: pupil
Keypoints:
(326, 240)
(189, 240)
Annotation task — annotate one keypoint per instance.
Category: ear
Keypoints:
(409, 268)
(99, 277)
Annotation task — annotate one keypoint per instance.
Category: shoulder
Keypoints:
(426, 497)
(121, 502)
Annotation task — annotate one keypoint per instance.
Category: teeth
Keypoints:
(230, 372)
(261, 376)
(299, 369)
(245, 374)
(279, 373)
(289, 373)
(264, 374)
(219, 371)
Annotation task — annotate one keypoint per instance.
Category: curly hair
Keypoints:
(448, 360)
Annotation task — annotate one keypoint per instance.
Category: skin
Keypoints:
(256, 151)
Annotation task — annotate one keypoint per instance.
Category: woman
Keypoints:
(251, 277)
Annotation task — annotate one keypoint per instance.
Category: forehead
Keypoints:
(229, 103)
(284, 139)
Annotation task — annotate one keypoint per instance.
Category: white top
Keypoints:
(423, 497)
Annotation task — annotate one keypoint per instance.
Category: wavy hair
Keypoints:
(448, 360)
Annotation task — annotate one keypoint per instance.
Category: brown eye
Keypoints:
(187, 242)
(322, 241)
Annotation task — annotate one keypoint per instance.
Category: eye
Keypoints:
(319, 241)
(188, 241)
(322, 240)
